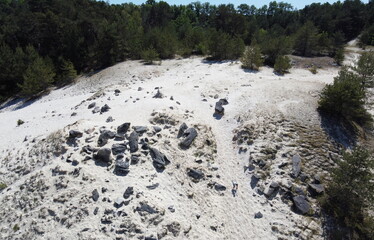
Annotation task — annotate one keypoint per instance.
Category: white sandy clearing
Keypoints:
(251, 96)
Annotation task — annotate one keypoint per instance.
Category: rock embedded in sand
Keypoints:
(104, 108)
(159, 159)
(104, 136)
(182, 129)
(128, 192)
(189, 136)
(258, 215)
(103, 155)
(118, 148)
(195, 174)
(296, 166)
(75, 134)
(301, 204)
(316, 189)
(123, 128)
(219, 187)
(96, 109)
(95, 195)
(91, 105)
(133, 142)
(140, 129)
(122, 165)
(158, 94)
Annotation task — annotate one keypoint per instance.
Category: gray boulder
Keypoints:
(133, 142)
(159, 159)
(219, 109)
(258, 215)
(95, 195)
(316, 189)
(128, 192)
(195, 174)
(104, 108)
(188, 137)
(272, 190)
(219, 187)
(92, 105)
(182, 129)
(301, 204)
(96, 109)
(296, 166)
(122, 165)
(140, 129)
(118, 148)
(104, 136)
(75, 134)
(103, 155)
(123, 128)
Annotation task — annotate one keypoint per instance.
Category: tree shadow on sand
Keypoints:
(338, 129)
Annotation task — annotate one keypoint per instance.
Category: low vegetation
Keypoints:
(350, 195)
(282, 65)
(252, 58)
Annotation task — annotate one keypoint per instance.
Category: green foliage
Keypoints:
(367, 37)
(16, 227)
(345, 98)
(282, 64)
(313, 69)
(67, 72)
(149, 55)
(306, 42)
(222, 46)
(38, 76)
(2, 186)
(350, 194)
(339, 56)
(365, 69)
(252, 58)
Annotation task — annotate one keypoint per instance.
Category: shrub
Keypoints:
(67, 71)
(282, 64)
(38, 76)
(252, 58)
(345, 98)
(350, 193)
(149, 55)
(20, 122)
(365, 69)
(313, 69)
(339, 56)
(2, 186)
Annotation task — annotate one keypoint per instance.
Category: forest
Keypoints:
(44, 42)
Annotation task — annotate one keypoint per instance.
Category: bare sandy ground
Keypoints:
(193, 85)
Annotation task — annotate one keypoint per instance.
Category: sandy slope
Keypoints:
(252, 97)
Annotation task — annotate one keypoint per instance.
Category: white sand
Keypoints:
(251, 96)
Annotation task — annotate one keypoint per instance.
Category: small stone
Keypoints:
(91, 105)
(95, 195)
(258, 215)
(75, 134)
(128, 192)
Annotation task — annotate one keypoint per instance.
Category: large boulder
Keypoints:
(316, 189)
(118, 148)
(188, 137)
(159, 159)
(133, 142)
(301, 204)
(104, 155)
(104, 136)
(123, 128)
(296, 166)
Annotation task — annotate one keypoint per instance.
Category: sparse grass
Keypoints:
(3, 186)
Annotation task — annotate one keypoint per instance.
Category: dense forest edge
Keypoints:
(50, 42)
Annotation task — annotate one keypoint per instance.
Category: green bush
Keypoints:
(345, 98)
(339, 56)
(365, 69)
(2, 186)
(350, 193)
(67, 71)
(150, 55)
(252, 58)
(20, 122)
(313, 69)
(38, 76)
(282, 64)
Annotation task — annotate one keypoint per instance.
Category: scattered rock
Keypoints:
(122, 165)
(174, 228)
(104, 108)
(219, 187)
(272, 190)
(258, 215)
(128, 192)
(218, 109)
(153, 186)
(301, 204)
(103, 155)
(118, 148)
(159, 159)
(133, 142)
(95, 195)
(118, 202)
(104, 136)
(123, 128)
(195, 174)
(109, 119)
(145, 208)
(316, 189)
(96, 109)
(189, 136)
(158, 94)
(91, 105)
(223, 101)
(140, 129)
(296, 166)
(75, 134)
(181, 130)
(157, 129)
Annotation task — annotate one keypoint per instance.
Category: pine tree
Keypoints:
(282, 64)
(252, 58)
(68, 72)
(38, 76)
